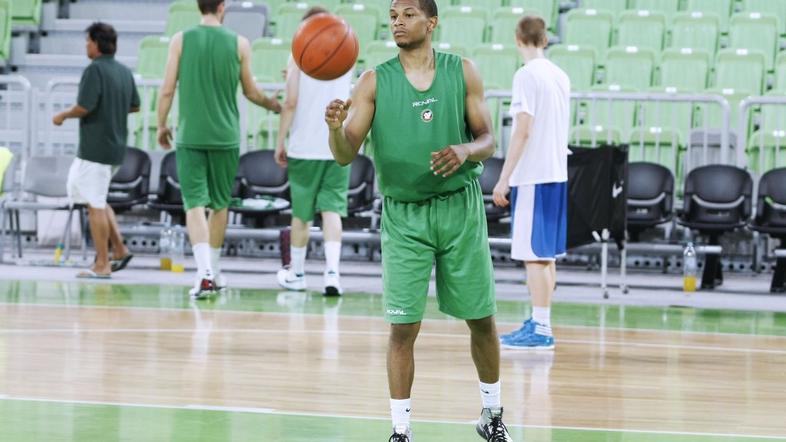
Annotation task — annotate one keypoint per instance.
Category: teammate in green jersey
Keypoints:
(205, 64)
(431, 129)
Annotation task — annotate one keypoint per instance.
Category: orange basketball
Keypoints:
(325, 47)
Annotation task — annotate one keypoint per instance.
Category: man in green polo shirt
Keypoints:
(107, 93)
(205, 65)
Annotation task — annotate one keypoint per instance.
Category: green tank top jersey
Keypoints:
(207, 92)
(410, 124)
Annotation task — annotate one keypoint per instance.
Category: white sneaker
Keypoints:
(204, 287)
(332, 284)
(220, 282)
(290, 281)
(401, 433)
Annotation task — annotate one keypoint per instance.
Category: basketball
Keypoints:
(325, 47)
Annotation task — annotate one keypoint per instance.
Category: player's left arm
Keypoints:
(447, 161)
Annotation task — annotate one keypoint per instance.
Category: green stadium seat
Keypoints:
(780, 73)
(643, 29)
(497, 64)
(5, 31)
(755, 31)
(673, 116)
(25, 12)
(378, 52)
(630, 67)
(364, 20)
(182, 15)
(153, 53)
(548, 9)
(740, 70)
(463, 25)
(578, 62)
(655, 145)
(505, 21)
(450, 48)
(685, 69)
(773, 144)
(594, 136)
(666, 7)
(776, 8)
(590, 27)
(721, 8)
(269, 57)
(773, 117)
(613, 6)
(711, 116)
(614, 115)
(696, 30)
(288, 19)
(480, 4)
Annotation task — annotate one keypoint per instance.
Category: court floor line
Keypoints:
(428, 320)
(371, 333)
(251, 410)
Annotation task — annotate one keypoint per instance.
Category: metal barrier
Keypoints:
(769, 135)
(596, 112)
(60, 94)
(15, 114)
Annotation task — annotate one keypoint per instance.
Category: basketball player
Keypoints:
(536, 169)
(206, 63)
(431, 130)
(317, 182)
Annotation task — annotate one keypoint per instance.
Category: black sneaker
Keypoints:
(401, 434)
(203, 289)
(490, 426)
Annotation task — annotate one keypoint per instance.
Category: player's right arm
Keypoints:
(350, 122)
(166, 94)
(247, 79)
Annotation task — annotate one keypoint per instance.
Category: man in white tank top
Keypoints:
(317, 182)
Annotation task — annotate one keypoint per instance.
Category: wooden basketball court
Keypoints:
(142, 363)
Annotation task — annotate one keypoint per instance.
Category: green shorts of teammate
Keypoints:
(317, 186)
(207, 177)
(449, 231)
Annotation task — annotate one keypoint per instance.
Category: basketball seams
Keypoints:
(330, 57)
(311, 40)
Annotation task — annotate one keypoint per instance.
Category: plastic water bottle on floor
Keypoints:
(690, 269)
(165, 249)
(179, 250)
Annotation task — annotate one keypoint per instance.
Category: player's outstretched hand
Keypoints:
(164, 138)
(336, 113)
(448, 160)
(501, 191)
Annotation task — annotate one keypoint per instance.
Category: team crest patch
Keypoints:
(427, 115)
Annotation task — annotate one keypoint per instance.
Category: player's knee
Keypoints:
(403, 335)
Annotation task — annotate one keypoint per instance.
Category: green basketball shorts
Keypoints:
(448, 231)
(317, 186)
(207, 177)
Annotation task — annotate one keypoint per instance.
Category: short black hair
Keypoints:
(429, 7)
(104, 36)
(209, 6)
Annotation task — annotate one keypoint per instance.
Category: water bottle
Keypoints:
(689, 269)
(165, 249)
(179, 250)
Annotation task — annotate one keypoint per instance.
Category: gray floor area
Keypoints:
(740, 292)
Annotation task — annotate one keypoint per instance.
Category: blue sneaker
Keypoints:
(539, 337)
(526, 327)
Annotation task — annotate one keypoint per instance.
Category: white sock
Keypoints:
(400, 411)
(542, 315)
(215, 256)
(298, 263)
(202, 257)
(332, 255)
(490, 395)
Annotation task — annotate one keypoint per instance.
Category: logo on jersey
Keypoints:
(427, 115)
(425, 102)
